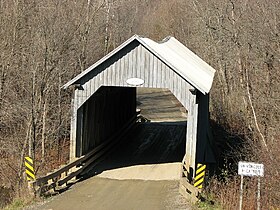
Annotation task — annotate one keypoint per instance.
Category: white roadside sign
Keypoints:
(250, 169)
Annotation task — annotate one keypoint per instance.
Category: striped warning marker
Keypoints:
(29, 169)
(199, 175)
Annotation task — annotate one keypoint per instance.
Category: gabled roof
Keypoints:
(178, 57)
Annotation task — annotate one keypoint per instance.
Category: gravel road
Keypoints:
(108, 194)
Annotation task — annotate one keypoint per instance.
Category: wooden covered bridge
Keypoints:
(104, 101)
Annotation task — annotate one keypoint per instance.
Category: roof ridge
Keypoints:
(166, 39)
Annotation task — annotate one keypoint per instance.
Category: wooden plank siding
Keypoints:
(102, 115)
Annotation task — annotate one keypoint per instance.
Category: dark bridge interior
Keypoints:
(102, 115)
(160, 137)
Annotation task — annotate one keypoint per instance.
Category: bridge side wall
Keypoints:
(102, 115)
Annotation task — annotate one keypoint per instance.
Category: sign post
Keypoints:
(241, 193)
(250, 169)
(259, 194)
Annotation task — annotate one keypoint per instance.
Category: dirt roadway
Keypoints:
(106, 194)
(142, 173)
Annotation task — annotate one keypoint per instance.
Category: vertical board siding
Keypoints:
(154, 70)
(103, 115)
(73, 128)
(119, 67)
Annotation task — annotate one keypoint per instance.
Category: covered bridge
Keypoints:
(99, 109)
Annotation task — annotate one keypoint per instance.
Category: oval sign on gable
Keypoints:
(135, 81)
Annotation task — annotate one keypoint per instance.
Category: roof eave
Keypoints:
(82, 74)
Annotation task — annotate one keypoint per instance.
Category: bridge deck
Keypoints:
(144, 169)
(160, 105)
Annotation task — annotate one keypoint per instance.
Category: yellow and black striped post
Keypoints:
(199, 175)
(29, 169)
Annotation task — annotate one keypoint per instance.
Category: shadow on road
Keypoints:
(147, 143)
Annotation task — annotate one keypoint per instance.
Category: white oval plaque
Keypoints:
(135, 81)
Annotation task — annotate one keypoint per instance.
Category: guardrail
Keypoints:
(60, 177)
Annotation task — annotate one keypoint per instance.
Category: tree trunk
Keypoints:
(59, 119)
(2, 81)
(44, 128)
(32, 138)
(107, 36)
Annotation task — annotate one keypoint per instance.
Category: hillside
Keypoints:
(45, 43)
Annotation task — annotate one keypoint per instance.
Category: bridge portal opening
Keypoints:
(154, 148)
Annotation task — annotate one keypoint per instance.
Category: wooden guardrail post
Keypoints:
(187, 189)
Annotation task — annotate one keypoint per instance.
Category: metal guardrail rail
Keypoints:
(60, 177)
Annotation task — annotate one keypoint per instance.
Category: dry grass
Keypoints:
(14, 193)
(224, 187)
